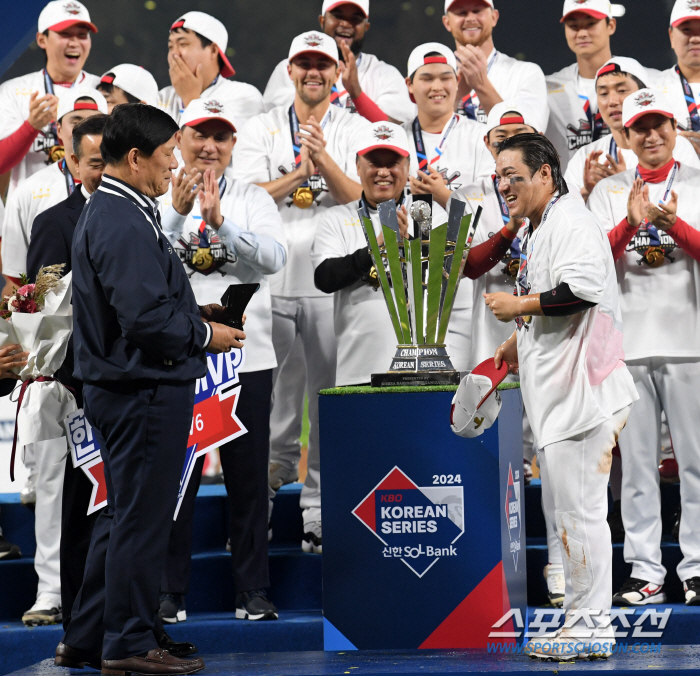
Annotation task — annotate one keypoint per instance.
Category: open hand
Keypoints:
(184, 192)
(42, 110)
(188, 85)
(209, 200)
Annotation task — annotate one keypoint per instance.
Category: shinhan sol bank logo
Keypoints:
(417, 524)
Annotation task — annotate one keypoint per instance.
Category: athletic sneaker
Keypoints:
(253, 605)
(46, 610)
(172, 608)
(558, 648)
(8, 551)
(556, 586)
(617, 528)
(281, 476)
(691, 587)
(311, 542)
(636, 592)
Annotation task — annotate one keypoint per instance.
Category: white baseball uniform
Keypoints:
(381, 82)
(514, 81)
(37, 193)
(664, 359)
(683, 152)
(576, 389)
(242, 99)
(264, 153)
(14, 110)
(249, 246)
(671, 84)
(461, 156)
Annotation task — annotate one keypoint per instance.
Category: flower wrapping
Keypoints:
(45, 335)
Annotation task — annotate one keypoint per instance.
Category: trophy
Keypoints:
(235, 300)
(419, 278)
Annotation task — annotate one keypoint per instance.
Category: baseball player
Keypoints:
(447, 152)
(28, 104)
(49, 186)
(199, 68)
(228, 231)
(127, 83)
(681, 83)
(611, 154)
(574, 118)
(652, 217)
(487, 75)
(577, 391)
(365, 85)
(304, 156)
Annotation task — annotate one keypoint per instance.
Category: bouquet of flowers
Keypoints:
(39, 317)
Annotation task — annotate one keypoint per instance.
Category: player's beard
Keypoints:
(483, 37)
(355, 48)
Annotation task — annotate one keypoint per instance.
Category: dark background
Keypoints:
(260, 32)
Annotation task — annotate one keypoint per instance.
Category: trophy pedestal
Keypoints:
(415, 365)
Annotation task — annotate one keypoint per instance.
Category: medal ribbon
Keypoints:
(598, 127)
(294, 128)
(70, 181)
(420, 145)
(690, 101)
(505, 212)
(669, 185)
(613, 149)
(48, 86)
(470, 103)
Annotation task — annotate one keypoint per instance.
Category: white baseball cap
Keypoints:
(510, 112)
(598, 9)
(328, 5)
(314, 42)
(645, 102)
(384, 135)
(60, 14)
(623, 64)
(477, 403)
(211, 29)
(419, 56)
(449, 3)
(134, 80)
(201, 110)
(685, 10)
(69, 101)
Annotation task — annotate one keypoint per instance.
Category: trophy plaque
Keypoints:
(419, 277)
(235, 300)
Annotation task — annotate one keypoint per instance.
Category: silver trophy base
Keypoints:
(418, 366)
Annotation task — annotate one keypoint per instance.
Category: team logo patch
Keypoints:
(645, 99)
(204, 252)
(513, 513)
(317, 185)
(653, 246)
(694, 5)
(313, 40)
(416, 524)
(383, 133)
(580, 2)
(213, 107)
(72, 8)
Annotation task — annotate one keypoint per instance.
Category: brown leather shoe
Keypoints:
(74, 658)
(157, 661)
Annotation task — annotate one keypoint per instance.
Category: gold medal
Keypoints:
(512, 267)
(303, 198)
(56, 154)
(654, 256)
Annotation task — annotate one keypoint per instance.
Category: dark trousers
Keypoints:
(142, 429)
(245, 465)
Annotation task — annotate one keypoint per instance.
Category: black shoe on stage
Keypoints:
(691, 589)
(172, 608)
(74, 658)
(176, 648)
(253, 605)
(8, 551)
(636, 592)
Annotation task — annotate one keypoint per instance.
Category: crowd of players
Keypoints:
(268, 191)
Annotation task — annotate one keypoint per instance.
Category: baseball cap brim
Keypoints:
(386, 146)
(590, 12)
(683, 19)
(62, 25)
(651, 111)
(313, 51)
(346, 2)
(496, 376)
(227, 70)
(200, 120)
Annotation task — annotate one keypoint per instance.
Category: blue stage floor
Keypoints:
(676, 659)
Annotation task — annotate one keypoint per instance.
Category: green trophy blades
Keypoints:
(415, 269)
(438, 242)
(381, 274)
(397, 280)
(454, 223)
(464, 240)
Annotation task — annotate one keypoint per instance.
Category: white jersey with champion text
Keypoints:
(573, 104)
(363, 329)
(572, 370)
(212, 263)
(487, 332)
(683, 152)
(244, 100)
(659, 304)
(514, 80)
(381, 82)
(34, 195)
(264, 153)
(14, 110)
(671, 85)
